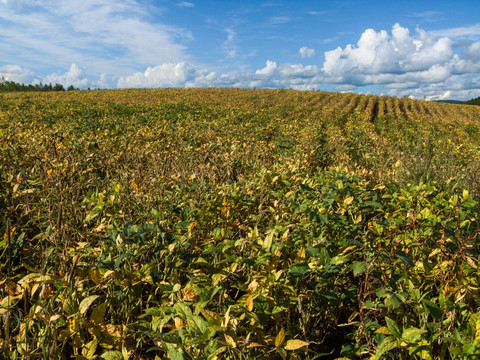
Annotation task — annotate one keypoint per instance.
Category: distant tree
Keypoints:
(475, 101)
(71, 88)
(58, 87)
(13, 86)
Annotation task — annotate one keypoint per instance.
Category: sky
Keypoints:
(418, 49)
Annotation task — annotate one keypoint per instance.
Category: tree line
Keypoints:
(7, 86)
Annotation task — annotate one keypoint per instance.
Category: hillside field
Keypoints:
(238, 224)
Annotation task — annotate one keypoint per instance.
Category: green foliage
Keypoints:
(236, 224)
(475, 101)
(11, 86)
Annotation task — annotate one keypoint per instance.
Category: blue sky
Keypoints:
(422, 49)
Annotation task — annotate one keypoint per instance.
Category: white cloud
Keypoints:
(306, 52)
(164, 75)
(268, 70)
(380, 53)
(116, 36)
(419, 65)
(16, 73)
(229, 45)
(381, 58)
(188, 75)
(473, 53)
(17, 3)
(462, 31)
(313, 12)
(185, 4)
(74, 76)
(276, 20)
(429, 16)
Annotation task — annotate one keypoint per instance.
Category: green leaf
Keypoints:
(299, 270)
(120, 258)
(174, 353)
(112, 355)
(92, 215)
(393, 327)
(359, 268)
(267, 243)
(98, 313)
(433, 309)
(388, 344)
(413, 334)
(155, 311)
(394, 300)
(402, 255)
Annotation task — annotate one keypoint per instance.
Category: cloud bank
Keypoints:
(187, 75)
(399, 62)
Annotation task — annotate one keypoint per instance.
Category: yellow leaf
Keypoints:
(95, 276)
(280, 338)
(383, 330)
(8, 301)
(226, 320)
(89, 349)
(348, 200)
(254, 344)
(108, 273)
(249, 303)
(100, 228)
(85, 304)
(295, 344)
(358, 218)
(253, 285)
(471, 263)
(230, 341)
(178, 323)
(300, 256)
(54, 318)
(188, 294)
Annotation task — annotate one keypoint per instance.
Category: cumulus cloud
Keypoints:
(421, 63)
(379, 53)
(16, 73)
(306, 52)
(473, 53)
(74, 76)
(164, 75)
(188, 75)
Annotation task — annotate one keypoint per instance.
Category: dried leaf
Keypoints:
(230, 341)
(295, 344)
